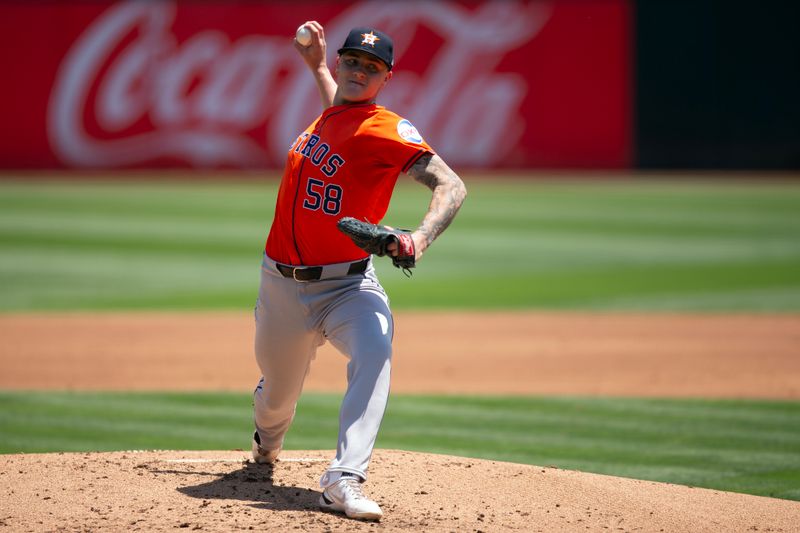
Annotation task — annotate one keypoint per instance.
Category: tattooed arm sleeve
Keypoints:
(448, 195)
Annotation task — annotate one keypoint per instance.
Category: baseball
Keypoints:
(303, 36)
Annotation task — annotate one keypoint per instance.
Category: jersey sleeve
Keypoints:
(395, 142)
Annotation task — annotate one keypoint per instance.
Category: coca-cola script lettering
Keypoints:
(128, 93)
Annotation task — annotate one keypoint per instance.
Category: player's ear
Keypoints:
(336, 67)
(388, 76)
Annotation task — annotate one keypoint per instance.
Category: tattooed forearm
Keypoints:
(448, 194)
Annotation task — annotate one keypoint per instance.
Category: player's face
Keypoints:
(360, 76)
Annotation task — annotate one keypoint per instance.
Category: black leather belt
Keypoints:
(315, 273)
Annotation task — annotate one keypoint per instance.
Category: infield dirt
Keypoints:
(515, 353)
(724, 356)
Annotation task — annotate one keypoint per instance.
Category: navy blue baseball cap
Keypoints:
(371, 41)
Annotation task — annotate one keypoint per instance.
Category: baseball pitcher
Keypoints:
(318, 283)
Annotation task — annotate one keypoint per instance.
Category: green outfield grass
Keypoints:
(741, 446)
(641, 244)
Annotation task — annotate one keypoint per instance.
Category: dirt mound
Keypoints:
(223, 491)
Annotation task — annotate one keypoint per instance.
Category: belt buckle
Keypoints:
(294, 274)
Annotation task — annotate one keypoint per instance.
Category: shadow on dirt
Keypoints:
(254, 483)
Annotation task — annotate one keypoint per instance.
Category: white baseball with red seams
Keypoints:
(303, 36)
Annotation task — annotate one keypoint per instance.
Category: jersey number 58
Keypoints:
(328, 197)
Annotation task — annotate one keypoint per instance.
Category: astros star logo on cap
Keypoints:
(370, 39)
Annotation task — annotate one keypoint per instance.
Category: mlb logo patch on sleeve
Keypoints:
(408, 132)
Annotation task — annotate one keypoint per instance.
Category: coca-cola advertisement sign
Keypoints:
(494, 84)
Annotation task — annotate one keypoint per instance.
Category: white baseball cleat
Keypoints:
(260, 455)
(346, 496)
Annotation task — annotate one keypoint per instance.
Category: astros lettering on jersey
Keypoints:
(345, 164)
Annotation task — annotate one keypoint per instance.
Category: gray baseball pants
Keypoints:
(294, 318)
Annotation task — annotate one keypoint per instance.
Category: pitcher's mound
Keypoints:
(223, 491)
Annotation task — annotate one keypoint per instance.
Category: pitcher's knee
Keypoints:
(372, 359)
(378, 350)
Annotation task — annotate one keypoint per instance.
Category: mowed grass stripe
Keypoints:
(632, 287)
(130, 228)
(748, 446)
(634, 245)
(147, 198)
(104, 421)
(590, 442)
(745, 430)
(598, 243)
(684, 434)
(766, 410)
(644, 220)
(131, 405)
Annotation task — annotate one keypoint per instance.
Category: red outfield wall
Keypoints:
(496, 84)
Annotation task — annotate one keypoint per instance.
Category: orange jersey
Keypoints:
(345, 164)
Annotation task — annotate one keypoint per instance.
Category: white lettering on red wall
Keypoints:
(215, 84)
(147, 83)
(128, 92)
